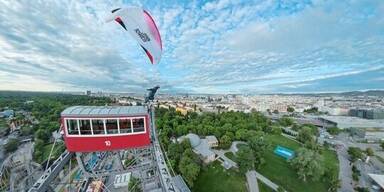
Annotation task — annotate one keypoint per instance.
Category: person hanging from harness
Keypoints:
(151, 94)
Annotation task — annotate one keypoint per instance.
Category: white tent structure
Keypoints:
(379, 179)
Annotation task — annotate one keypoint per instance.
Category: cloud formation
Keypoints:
(209, 47)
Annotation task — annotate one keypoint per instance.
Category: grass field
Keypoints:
(279, 170)
(230, 155)
(214, 178)
(263, 187)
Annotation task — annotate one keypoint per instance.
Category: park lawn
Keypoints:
(230, 155)
(282, 141)
(214, 178)
(330, 159)
(278, 170)
(263, 187)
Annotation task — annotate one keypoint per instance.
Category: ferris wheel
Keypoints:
(112, 145)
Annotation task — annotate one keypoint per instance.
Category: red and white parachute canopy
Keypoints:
(142, 28)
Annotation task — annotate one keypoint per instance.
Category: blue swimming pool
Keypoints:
(284, 152)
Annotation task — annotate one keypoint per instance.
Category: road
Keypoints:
(343, 141)
(345, 170)
(345, 167)
(347, 141)
(252, 181)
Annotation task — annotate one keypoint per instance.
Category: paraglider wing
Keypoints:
(142, 28)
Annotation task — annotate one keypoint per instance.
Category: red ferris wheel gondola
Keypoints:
(105, 128)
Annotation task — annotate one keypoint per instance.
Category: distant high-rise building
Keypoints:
(88, 92)
(367, 113)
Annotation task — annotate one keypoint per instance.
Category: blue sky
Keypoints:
(209, 46)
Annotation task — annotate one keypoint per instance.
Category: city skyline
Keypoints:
(209, 47)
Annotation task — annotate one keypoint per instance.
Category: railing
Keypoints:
(42, 184)
(166, 178)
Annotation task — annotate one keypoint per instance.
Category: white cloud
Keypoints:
(217, 46)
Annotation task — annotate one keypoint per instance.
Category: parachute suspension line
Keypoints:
(50, 154)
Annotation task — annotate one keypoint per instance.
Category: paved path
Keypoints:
(221, 154)
(345, 170)
(252, 181)
(266, 181)
(234, 147)
(343, 141)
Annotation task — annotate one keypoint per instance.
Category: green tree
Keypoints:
(307, 164)
(258, 146)
(134, 185)
(295, 127)
(305, 135)
(42, 134)
(334, 130)
(355, 153)
(311, 110)
(225, 142)
(369, 151)
(355, 173)
(186, 144)
(286, 121)
(245, 159)
(276, 130)
(382, 145)
(241, 134)
(26, 130)
(290, 109)
(11, 145)
(355, 176)
(362, 189)
(188, 167)
(174, 151)
(38, 150)
(331, 176)
(334, 184)
(227, 127)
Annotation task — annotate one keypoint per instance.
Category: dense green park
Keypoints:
(46, 108)
(280, 171)
(260, 133)
(262, 136)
